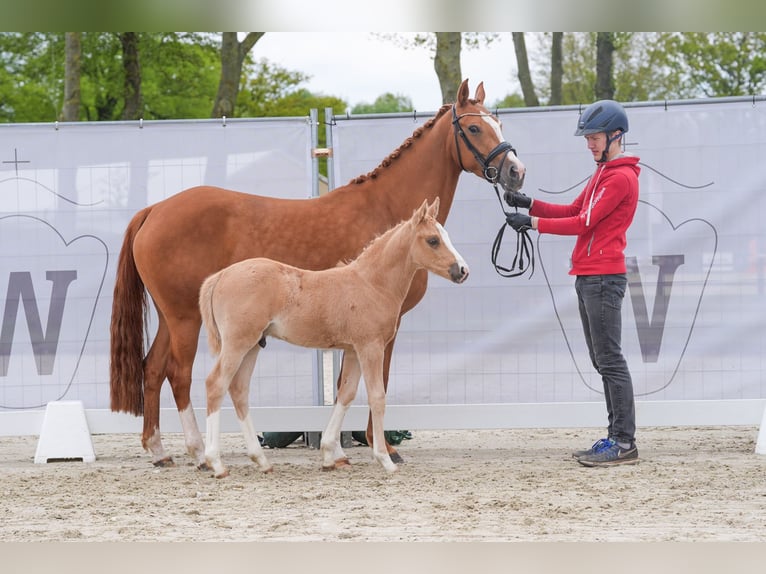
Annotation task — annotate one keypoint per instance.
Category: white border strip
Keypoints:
(424, 417)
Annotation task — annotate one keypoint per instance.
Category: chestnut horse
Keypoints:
(352, 307)
(170, 248)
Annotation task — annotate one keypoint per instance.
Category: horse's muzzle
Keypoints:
(458, 273)
(512, 172)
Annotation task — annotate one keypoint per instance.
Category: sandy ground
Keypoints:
(693, 484)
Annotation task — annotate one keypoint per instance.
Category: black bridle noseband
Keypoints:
(524, 246)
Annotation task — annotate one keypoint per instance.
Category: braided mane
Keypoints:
(407, 143)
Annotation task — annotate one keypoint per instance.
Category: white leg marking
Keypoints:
(330, 444)
(192, 436)
(254, 449)
(154, 446)
(213, 448)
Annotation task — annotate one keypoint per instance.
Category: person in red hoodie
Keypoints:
(599, 217)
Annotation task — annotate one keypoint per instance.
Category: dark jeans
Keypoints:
(600, 301)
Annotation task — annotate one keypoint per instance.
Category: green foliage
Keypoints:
(384, 104)
(273, 91)
(719, 63)
(31, 76)
(180, 73)
(510, 101)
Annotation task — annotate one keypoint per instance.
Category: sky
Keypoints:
(359, 67)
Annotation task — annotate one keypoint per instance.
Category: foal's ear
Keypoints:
(421, 212)
(433, 209)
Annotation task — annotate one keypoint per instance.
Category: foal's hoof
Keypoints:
(224, 474)
(204, 466)
(166, 462)
(342, 463)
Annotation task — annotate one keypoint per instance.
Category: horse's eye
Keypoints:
(433, 241)
(474, 129)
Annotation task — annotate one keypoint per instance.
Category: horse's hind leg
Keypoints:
(240, 396)
(330, 445)
(155, 370)
(183, 347)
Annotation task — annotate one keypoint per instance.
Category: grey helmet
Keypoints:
(602, 116)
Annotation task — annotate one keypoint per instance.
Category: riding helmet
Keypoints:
(602, 116)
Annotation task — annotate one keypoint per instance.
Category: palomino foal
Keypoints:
(353, 307)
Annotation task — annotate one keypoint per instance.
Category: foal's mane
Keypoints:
(380, 239)
(407, 143)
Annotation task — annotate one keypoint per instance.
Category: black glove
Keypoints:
(519, 221)
(517, 199)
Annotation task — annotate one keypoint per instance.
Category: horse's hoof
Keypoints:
(342, 463)
(166, 462)
(328, 468)
(224, 474)
(268, 470)
(396, 458)
(204, 466)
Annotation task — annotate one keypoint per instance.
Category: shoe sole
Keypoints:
(616, 462)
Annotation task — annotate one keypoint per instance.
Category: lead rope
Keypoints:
(524, 249)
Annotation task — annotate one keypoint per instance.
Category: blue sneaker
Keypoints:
(598, 446)
(611, 456)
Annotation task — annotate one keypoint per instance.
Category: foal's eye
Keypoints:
(433, 241)
(474, 129)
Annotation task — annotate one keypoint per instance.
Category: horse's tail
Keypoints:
(206, 310)
(129, 309)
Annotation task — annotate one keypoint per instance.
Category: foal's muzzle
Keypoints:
(458, 273)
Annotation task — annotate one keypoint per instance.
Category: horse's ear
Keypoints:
(433, 209)
(479, 97)
(462, 93)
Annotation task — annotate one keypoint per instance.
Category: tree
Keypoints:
(233, 54)
(557, 68)
(447, 64)
(522, 62)
(385, 104)
(133, 108)
(273, 91)
(604, 55)
(719, 63)
(70, 112)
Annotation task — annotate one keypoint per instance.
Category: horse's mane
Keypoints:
(407, 143)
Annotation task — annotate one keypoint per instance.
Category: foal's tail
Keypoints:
(129, 308)
(206, 309)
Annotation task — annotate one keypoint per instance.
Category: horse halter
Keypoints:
(491, 173)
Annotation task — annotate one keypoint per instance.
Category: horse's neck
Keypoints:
(387, 264)
(426, 169)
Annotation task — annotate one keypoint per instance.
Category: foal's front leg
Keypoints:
(372, 369)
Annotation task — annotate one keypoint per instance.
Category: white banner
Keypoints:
(693, 318)
(67, 193)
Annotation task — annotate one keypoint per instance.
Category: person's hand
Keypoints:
(517, 199)
(519, 221)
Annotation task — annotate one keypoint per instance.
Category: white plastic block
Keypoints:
(760, 445)
(64, 434)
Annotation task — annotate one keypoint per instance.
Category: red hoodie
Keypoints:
(599, 216)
